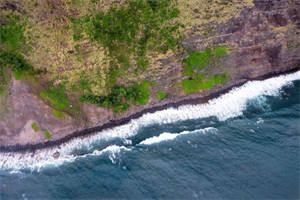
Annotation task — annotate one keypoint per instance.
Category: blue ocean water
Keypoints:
(255, 155)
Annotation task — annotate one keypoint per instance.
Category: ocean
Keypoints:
(244, 144)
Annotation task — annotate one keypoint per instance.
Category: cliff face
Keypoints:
(262, 40)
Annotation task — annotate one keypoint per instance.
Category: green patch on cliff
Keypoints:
(12, 45)
(56, 96)
(121, 97)
(59, 114)
(199, 65)
(160, 95)
(47, 134)
(35, 126)
(201, 82)
(135, 27)
(12, 33)
(16, 62)
(197, 61)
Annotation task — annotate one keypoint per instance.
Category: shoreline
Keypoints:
(122, 121)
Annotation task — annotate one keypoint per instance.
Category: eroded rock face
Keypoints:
(262, 40)
(21, 109)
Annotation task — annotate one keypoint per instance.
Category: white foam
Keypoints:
(160, 138)
(170, 136)
(226, 106)
(113, 151)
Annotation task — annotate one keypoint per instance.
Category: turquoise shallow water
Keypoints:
(255, 155)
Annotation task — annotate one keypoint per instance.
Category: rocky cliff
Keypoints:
(261, 38)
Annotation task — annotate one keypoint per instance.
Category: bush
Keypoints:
(160, 95)
(120, 97)
(12, 34)
(47, 134)
(15, 61)
(35, 127)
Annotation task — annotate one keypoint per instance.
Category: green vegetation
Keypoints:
(201, 82)
(35, 127)
(12, 42)
(59, 114)
(47, 134)
(160, 95)
(204, 60)
(129, 31)
(16, 62)
(121, 96)
(12, 33)
(56, 96)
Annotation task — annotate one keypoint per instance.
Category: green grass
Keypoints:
(120, 97)
(19, 74)
(160, 95)
(59, 114)
(12, 44)
(47, 134)
(139, 94)
(12, 33)
(201, 82)
(203, 60)
(197, 61)
(56, 96)
(35, 127)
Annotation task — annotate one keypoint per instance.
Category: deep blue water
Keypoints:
(253, 156)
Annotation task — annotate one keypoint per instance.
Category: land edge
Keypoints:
(122, 121)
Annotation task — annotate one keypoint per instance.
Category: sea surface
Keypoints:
(242, 145)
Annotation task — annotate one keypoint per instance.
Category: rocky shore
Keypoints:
(263, 42)
(114, 123)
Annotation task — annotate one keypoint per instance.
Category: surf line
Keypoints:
(115, 123)
(224, 107)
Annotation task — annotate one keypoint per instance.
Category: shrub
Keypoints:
(35, 127)
(160, 95)
(120, 96)
(47, 134)
(12, 34)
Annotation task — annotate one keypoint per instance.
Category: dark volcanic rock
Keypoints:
(56, 155)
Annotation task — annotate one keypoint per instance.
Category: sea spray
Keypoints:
(227, 106)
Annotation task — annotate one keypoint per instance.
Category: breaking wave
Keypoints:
(229, 105)
(170, 136)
